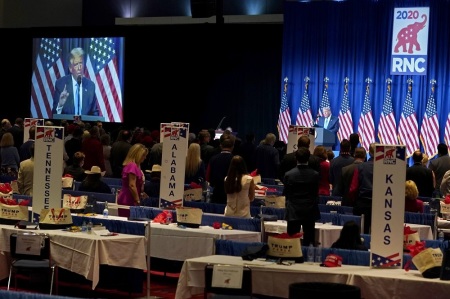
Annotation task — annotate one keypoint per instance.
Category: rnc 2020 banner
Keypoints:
(410, 41)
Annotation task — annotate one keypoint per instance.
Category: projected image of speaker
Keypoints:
(203, 8)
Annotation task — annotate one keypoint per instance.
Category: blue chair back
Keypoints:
(334, 218)
(112, 181)
(20, 197)
(345, 217)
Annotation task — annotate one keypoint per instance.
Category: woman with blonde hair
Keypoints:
(195, 167)
(412, 204)
(132, 176)
(240, 189)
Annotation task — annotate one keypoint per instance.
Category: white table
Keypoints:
(83, 253)
(327, 234)
(174, 243)
(273, 280)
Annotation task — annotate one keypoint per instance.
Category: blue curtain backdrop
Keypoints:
(353, 38)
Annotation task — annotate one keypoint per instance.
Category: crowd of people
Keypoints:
(225, 165)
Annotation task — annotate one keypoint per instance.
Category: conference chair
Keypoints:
(213, 291)
(30, 253)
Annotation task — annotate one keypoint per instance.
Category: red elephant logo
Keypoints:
(390, 153)
(408, 36)
(48, 133)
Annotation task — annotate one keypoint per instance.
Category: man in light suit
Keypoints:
(75, 94)
(328, 121)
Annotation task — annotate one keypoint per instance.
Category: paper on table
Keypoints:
(101, 232)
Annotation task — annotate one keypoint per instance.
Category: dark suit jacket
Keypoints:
(90, 106)
(289, 161)
(333, 124)
(423, 177)
(301, 188)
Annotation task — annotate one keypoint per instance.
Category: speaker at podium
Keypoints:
(325, 137)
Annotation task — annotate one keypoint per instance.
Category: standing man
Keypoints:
(74, 93)
(338, 163)
(439, 166)
(328, 121)
(301, 189)
(361, 189)
(422, 176)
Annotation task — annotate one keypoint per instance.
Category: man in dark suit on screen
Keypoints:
(328, 121)
(74, 93)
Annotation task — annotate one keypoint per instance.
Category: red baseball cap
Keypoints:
(332, 260)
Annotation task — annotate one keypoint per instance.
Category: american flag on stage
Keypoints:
(380, 261)
(408, 132)
(284, 120)
(366, 127)
(325, 101)
(47, 70)
(102, 68)
(387, 126)
(429, 132)
(304, 116)
(447, 131)
(345, 116)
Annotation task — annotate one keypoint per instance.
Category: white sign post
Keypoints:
(388, 206)
(173, 164)
(295, 132)
(48, 168)
(28, 123)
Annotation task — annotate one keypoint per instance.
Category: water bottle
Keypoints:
(105, 210)
(83, 226)
(89, 227)
(318, 259)
(441, 235)
(310, 256)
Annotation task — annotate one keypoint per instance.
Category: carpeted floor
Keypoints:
(163, 287)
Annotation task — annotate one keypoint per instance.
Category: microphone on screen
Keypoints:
(79, 80)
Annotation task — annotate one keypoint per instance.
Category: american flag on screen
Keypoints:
(387, 126)
(408, 132)
(447, 131)
(47, 70)
(380, 261)
(325, 100)
(102, 68)
(345, 116)
(304, 116)
(429, 132)
(366, 126)
(284, 119)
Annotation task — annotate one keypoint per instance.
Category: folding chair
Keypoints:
(245, 291)
(30, 252)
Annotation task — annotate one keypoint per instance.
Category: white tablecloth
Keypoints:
(273, 280)
(174, 243)
(327, 234)
(83, 253)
